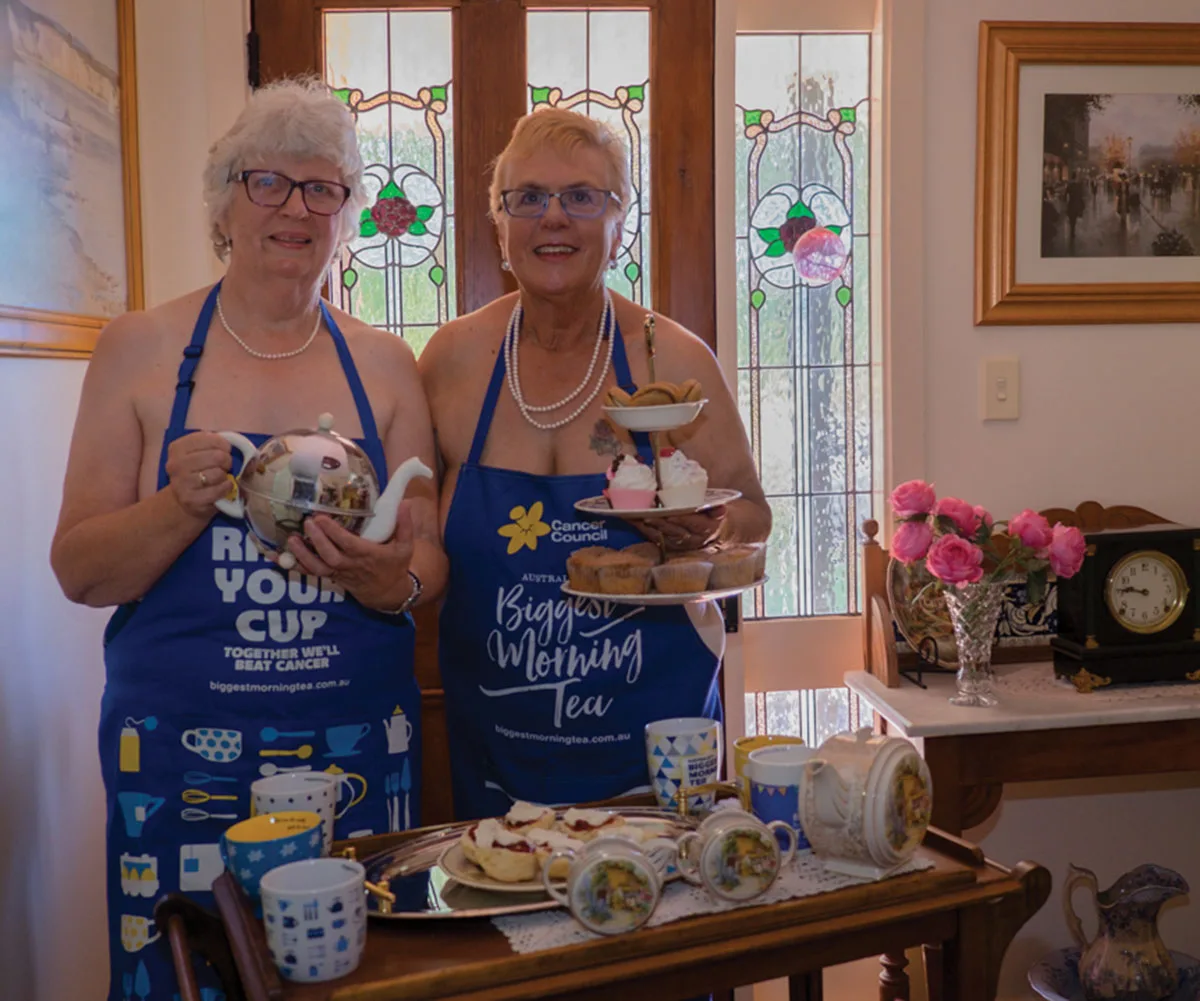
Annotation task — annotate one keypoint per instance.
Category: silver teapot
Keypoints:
(300, 473)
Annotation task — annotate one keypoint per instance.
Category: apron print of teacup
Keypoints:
(341, 739)
(135, 932)
(213, 744)
(139, 875)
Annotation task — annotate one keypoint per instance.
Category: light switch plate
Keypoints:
(1000, 389)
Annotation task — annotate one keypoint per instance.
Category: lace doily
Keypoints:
(805, 877)
(1038, 679)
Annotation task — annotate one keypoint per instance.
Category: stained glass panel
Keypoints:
(393, 70)
(807, 352)
(598, 62)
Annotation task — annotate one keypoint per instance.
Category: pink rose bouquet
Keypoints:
(958, 543)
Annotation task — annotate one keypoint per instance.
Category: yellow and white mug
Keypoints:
(135, 932)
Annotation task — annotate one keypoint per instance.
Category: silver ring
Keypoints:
(203, 479)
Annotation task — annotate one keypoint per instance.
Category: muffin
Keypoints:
(582, 565)
(646, 550)
(681, 576)
(624, 573)
(733, 567)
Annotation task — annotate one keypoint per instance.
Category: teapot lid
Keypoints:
(315, 469)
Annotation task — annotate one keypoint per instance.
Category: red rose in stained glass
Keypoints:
(793, 229)
(393, 216)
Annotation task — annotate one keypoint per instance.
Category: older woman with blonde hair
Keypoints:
(220, 666)
(547, 697)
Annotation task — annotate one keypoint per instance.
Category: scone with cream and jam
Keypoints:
(505, 855)
(524, 817)
(546, 843)
(584, 825)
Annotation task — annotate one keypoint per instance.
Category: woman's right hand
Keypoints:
(196, 466)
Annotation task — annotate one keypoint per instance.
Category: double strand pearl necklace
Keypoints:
(514, 378)
(263, 354)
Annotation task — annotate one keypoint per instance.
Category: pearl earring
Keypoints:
(504, 265)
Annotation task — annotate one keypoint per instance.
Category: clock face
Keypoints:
(1146, 591)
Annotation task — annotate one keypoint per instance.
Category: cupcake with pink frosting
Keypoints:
(630, 484)
(684, 481)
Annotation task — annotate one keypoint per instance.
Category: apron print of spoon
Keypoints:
(269, 733)
(303, 752)
(269, 768)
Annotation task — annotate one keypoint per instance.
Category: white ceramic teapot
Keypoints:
(865, 802)
(305, 472)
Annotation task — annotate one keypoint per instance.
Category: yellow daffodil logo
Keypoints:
(526, 528)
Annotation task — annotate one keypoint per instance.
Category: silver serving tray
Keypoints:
(424, 891)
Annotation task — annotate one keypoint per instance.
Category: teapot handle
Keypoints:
(234, 507)
(1077, 876)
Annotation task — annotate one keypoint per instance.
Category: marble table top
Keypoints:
(1030, 698)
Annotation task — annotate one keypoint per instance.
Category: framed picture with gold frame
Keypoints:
(1087, 198)
(71, 257)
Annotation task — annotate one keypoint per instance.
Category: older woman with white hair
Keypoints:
(220, 666)
(547, 697)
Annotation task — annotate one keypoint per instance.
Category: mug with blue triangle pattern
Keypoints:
(683, 751)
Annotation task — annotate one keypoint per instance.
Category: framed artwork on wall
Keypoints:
(1087, 185)
(70, 259)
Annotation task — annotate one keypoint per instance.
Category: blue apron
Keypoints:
(547, 696)
(227, 670)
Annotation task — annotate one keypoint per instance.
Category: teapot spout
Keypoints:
(383, 522)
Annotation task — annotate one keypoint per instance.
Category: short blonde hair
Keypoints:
(564, 131)
(298, 118)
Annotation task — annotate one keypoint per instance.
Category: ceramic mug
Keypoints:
(213, 744)
(773, 779)
(683, 751)
(734, 855)
(612, 885)
(316, 918)
(135, 932)
(252, 848)
(315, 791)
(743, 746)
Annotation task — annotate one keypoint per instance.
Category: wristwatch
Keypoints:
(410, 600)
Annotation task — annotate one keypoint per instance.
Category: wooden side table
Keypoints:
(971, 906)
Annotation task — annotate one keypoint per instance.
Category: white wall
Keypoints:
(191, 85)
(1107, 413)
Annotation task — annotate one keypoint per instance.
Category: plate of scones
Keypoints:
(507, 854)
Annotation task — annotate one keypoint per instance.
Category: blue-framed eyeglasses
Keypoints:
(579, 203)
(271, 190)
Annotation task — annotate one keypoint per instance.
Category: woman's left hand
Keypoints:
(684, 532)
(376, 573)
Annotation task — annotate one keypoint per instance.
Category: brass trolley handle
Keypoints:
(687, 792)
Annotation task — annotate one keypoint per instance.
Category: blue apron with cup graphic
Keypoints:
(227, 670)
(547, 696)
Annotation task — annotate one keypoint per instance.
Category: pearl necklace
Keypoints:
(514, 378)
(263, 354)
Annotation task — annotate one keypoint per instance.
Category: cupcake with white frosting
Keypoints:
(630, 484)
(684, 481)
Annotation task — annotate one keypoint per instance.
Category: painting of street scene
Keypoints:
(62, 202)
(1121, 175)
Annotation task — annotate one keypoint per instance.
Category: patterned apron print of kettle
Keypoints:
(399, 731)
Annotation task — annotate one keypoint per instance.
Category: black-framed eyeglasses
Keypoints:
(271, 189)
(580, 203)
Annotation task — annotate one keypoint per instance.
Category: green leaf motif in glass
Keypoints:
(637, 92)
(418, 229)
(366, 225)
(437, 93)
(391, 190)
(632, 271)
(800, 211)
(342, 94)
(848, 114)
(776, 249)
(752, 118)
(424, 212)
(835, 230)
(349, 278)
(540, 95)
(843, 296)
(757, 298)
(768, 234)
(437, 275)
